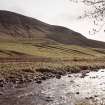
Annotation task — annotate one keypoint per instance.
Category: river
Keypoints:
(69, 90)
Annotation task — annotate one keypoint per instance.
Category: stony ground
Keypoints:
(23, 72)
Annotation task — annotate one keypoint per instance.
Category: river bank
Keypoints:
(14, 73)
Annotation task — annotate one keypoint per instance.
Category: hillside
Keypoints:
(25, 37)
(16, 26)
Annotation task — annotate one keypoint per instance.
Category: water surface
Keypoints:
(68, 90)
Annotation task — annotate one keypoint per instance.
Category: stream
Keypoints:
(69, 90)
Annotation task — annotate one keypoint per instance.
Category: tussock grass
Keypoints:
(34, 70)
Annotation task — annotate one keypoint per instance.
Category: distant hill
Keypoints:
(15, 26)
(26, 39)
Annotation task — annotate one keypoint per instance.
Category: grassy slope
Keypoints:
(46, 49)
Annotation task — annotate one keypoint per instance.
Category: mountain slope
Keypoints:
(25, 38)
(14, 26)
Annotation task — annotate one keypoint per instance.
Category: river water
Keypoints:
(69, 90)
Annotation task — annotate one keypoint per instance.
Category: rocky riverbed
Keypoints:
(68, 90)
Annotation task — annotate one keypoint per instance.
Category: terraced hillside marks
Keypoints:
(32, 51)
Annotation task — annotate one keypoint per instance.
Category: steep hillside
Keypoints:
(14, 26)
(23, 38)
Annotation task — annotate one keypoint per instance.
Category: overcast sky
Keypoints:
(57, 12)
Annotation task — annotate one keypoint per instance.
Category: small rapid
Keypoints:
(69, 90)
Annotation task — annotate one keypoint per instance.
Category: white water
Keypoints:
(64, 91)
(70, 90)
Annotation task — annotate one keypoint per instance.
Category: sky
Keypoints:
(55, 12)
